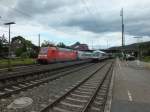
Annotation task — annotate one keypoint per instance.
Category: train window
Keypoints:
(96, 54)
(43, 50)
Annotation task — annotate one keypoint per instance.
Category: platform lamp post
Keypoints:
(122, 25)
(138, 42)
(9, 49)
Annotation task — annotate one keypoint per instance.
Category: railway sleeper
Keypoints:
(68, 107)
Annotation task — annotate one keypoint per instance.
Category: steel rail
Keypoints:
(40, 75)
(51, 78)
(85, 109)
(32, 72)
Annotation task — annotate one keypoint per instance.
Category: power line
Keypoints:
(28, 15)
(21, 12)
(39, 40)
(87, 8)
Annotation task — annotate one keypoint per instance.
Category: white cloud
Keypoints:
(96, 22)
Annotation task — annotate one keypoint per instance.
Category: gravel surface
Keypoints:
(45, 93)
(83, 93)
(99, 102)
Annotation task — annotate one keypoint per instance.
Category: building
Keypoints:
(81, 47)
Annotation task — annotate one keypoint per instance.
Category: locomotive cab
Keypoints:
(46, 55)
(56, 54)
(42, 57)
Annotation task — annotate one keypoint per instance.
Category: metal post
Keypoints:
(92, 44)
(9, 52)
(122, 24)
(9, 49)
(39, 41)
(122, 29)
(107, 44)
(139, 51)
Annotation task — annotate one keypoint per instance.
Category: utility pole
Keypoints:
(107, 44)
(9, 49)
(122, 24)
(92, 44)
(121, 14)
(39, 41)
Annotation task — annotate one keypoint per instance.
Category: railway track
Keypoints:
(37, 72)
(27, 83)
(22, 67)
(46, 90)
(88, 95)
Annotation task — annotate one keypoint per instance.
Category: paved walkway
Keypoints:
(131, 91)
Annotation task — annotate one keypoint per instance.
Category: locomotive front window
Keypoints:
(43, 50)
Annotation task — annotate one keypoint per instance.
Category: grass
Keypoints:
(15, 62)
(146, 59)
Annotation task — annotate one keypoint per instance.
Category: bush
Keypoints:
(33, 54)
(146, 59)
(24, 55)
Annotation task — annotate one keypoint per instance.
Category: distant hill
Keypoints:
(144, 47)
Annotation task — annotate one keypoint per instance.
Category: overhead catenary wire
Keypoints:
(22, 12)
(89, 11)
(92, 14)
(26, 14)
(59, 18)
(18, 11)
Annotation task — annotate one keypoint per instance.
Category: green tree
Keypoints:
(3, 39)
(47, 43)
(3, 46)
(61, 44)
(23, 47)
(18, 45)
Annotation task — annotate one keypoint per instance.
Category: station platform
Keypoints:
(131, 88)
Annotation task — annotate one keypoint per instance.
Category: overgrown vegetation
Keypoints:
(143, 47)
(146, 59)
(15, 62)
(23, 48)
(22, 51)
(20, 47)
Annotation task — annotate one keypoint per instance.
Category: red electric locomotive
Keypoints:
(56, 54)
